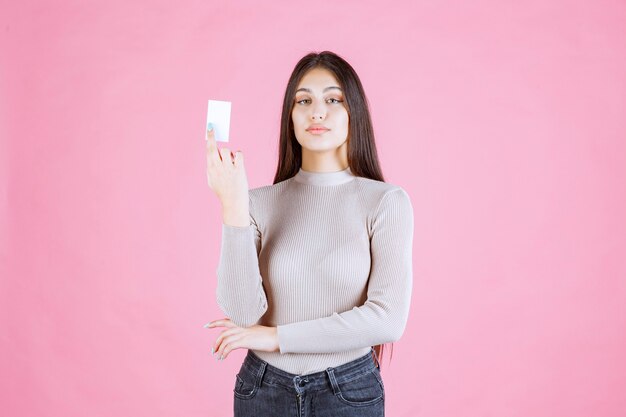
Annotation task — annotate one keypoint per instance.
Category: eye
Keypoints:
(301, 101)
(336, 100)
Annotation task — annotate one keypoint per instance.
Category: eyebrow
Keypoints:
(308, 90)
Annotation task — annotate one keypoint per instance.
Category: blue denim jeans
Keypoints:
(352, 389)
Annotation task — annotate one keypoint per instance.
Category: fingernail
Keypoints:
(207, 325)
(209, 127)
(221, 357)
(212, 350)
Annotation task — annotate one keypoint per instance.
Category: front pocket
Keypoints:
(363, 391)
(245, 385)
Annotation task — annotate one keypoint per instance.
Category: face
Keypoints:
(320, 117)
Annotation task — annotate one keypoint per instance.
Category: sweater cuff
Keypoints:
(281, 339)
(238, 243)
(291, 339)
(236, 232)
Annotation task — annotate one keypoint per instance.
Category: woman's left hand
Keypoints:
(255, 337)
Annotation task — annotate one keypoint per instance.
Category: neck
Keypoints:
(325, 160)
(324, 178)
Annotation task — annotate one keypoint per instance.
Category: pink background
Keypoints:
(504, 120)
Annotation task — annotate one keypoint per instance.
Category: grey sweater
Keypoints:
(327, 259)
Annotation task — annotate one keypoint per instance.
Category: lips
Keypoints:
(317, 129)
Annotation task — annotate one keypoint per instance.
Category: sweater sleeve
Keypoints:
(240, 293)
(383, 316)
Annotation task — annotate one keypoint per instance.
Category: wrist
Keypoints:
(234, 204)
(236, 221)
(236, 217)
(276, 343)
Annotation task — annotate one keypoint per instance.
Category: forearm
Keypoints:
(367, 325)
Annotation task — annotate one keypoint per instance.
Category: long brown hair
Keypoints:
(362, 155)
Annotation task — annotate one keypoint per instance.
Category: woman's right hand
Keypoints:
(226, 176)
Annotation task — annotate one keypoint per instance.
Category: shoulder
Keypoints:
(387, 203)
(267, 198)
(270, 191)
(381, 193)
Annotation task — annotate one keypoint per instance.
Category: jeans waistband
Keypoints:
(310, 382)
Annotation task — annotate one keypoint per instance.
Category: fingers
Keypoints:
(217, 345)
(225, 322)
(227, 156)
(221, 323)
(216, 155)
(213, 153)
(228, 344)
(226, 341)
(220, 338)
(238, 159)
(220, 156)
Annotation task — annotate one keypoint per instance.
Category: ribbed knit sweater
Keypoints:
(327, 259)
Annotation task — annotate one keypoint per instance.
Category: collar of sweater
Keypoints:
(324, 178)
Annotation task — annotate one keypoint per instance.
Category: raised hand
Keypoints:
(226, 176)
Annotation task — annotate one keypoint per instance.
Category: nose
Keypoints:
(318, 111)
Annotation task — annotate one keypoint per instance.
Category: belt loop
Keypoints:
(333, 381)
(260, 373)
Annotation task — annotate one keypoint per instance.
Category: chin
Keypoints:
(319, 144)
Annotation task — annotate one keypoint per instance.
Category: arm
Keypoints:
(383, 317)
(240, 293)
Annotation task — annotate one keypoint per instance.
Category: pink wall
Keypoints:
(503, 119)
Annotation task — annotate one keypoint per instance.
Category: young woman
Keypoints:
(315, 270)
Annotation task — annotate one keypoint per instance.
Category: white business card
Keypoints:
(218, 113)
